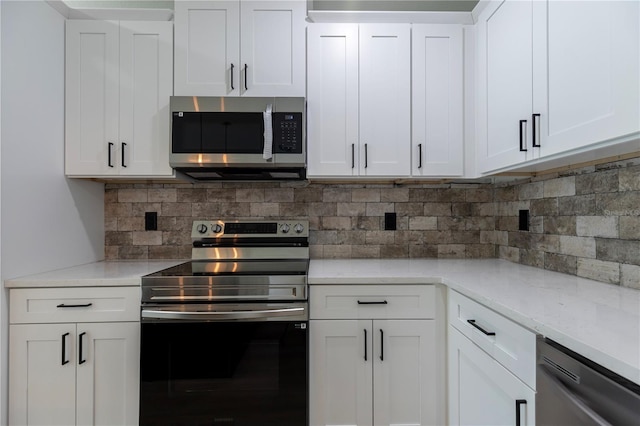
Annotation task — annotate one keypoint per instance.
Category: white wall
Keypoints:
(47, 221)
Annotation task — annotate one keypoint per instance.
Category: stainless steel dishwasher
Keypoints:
(572, 390)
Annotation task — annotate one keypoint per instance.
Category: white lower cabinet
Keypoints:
(366, 369)
(482, 390)
(73, 373)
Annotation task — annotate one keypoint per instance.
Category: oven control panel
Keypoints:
(249, 229)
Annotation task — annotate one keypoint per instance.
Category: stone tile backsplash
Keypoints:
(583, 222)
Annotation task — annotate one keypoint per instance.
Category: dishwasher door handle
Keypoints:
(572, 399)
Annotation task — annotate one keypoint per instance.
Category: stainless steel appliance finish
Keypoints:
(572, 390)
(225, 335)
(238, 138)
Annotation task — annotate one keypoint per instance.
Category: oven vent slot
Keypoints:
(574, 377)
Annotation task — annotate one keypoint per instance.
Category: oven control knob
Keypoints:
(202, 228)
(217, 228)
(298, 228)
(285, 228)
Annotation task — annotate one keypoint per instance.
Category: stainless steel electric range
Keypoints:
(225, 335)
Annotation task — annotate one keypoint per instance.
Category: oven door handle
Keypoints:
(221, 315)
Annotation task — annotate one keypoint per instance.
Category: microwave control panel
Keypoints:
(287, 132)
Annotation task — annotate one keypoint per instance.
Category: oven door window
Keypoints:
(224, 373)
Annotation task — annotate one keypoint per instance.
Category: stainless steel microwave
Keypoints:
(238, 138)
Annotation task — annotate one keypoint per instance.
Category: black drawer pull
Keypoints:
(80, 338)
(488, 333)
(63, 305)
(109, 163)
(535, 119)
(245, 77)
(64, 349)
(365, 344)
(523, 135)
(519, 402)
(123, 154)
(231, 73)
(384, 302)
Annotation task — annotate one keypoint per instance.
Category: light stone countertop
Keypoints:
(98, 274)
(599, 321)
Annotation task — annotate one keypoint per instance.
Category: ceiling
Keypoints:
(364, 5)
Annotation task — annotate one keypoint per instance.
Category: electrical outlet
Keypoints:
(389, 221)
(523, 220)
(151, 221)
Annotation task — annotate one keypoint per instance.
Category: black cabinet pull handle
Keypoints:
(353, 155)
(123, 145)
(535, 120)
(80, 359)
(110, 163)
(62, 305)
(231, 72)
(245, 77)
(523, 134)
(64, 349)
(366, 155)
(365, 344)
(519, 402)
(488, 333)
(419, 155)
(383, 302)
(381, 345)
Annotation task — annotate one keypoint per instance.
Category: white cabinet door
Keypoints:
(404, 373)
(437, 83)
(145, 88)
(483, 392)
(340, 372)
(92, 79)
(108, 373)
(272, 48)
(42, 379)
(118, 84)
(207, 40)
(385, 99)
(332, 100)
(359, 100)
(586, 85)
(240, 48)
(505, 85)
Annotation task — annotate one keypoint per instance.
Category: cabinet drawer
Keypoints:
(510, 344)
(372, 301)
(80, 304)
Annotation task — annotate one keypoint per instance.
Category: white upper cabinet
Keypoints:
(207, 41)
(385, 93)
(332, 100)
(437, 100)
(118, 84)
(587, 83)
(359, 100)
(240, 48)
(505, 84)
(555, 78)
